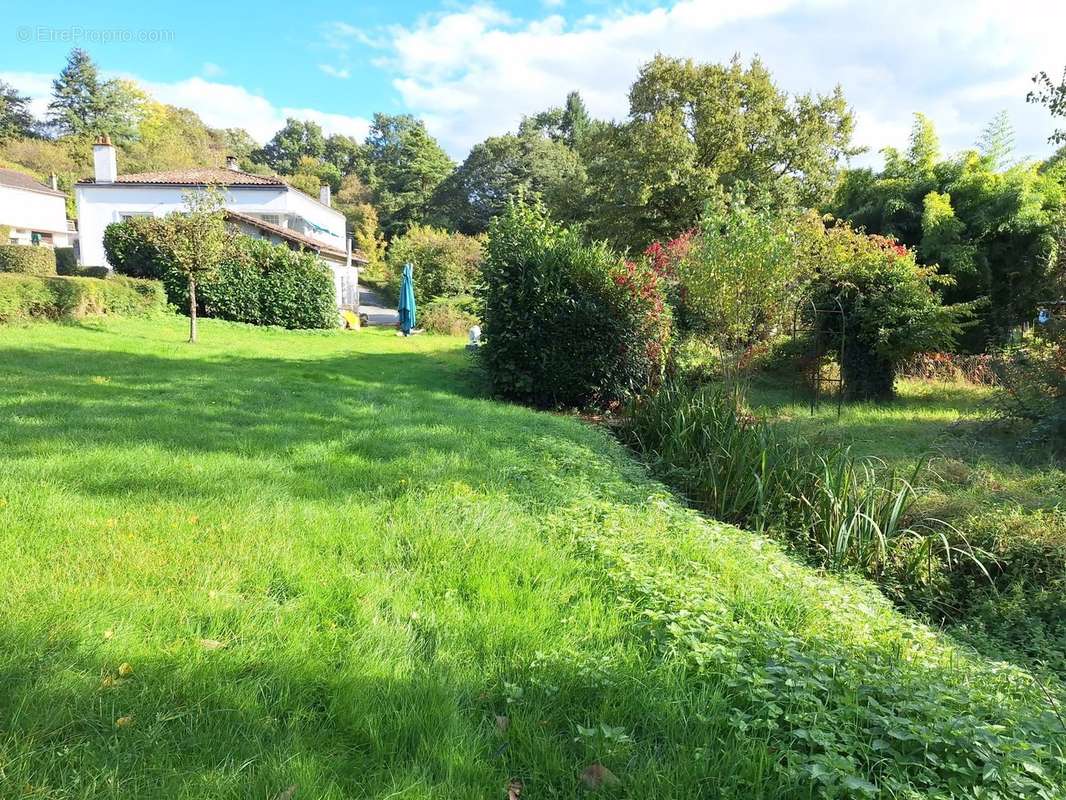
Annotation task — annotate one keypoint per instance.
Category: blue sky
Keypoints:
(472, 69)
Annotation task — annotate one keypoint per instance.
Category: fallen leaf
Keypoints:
(287, 793)
(125, 669)
(514, 789)
(596, 775)
(211, 644)
(124, 722)
(108, 634)
(502, 724)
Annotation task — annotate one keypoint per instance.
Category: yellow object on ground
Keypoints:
(351, 319)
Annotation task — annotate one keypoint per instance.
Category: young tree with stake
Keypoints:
(194, 242)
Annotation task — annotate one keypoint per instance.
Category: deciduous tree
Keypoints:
(194, 242)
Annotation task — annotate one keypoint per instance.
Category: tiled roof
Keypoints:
(198, 176)
(290, 235)
(19, 180)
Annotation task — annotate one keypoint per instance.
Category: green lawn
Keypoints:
(319, 559)
(974, 464)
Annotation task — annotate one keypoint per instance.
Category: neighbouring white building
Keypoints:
(260, 206)
(33, 213)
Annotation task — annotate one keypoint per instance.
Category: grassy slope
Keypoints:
(387, 563)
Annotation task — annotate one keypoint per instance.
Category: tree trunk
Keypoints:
(192, 309)
(867, 376)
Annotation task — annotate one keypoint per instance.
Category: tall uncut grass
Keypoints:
(849, 513)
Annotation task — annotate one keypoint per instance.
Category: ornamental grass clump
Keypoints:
(845, 512)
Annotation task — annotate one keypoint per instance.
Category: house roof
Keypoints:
(197, 176)
(292, 236)
(19, 180)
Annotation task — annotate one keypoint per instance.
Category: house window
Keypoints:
(271, 219)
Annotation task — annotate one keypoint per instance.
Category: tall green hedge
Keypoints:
(565, 323)
(24, 297)
(27, 260)
(259, 283)
(266, 284)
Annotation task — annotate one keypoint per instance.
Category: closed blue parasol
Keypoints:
(407, 300)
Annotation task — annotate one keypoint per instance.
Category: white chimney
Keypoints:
(324, 195)
(54, 181)
(231, 163)
(104, 163)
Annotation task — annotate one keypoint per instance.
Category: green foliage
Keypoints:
(66, 260)
(27, 260)
(831, 505)
(345, 153)
(367, 237)
(992, 230)
(501, 167)
(1052, 95)
(529, 569)
(297, 139)
(132, 247)
(996, 144)
(444, 263)
(450, 316)
(84, 106)
(739, 277)
(405, 165)
(25, 297)
(567, 324)
(569, 125)
(698, 131)
(1032, 379)
(308, 184)
(889, 307)
(263, 284)
(15, 118)
(253, 281)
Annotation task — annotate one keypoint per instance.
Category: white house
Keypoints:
(264, 207)
(33, 213)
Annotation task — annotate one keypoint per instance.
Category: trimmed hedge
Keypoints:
(259, 283)
(66, 261)
(24, 297)
(263, 284)
(27, 260)
(130, 249)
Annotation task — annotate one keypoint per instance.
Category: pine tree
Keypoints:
(15, 118)
(83, 105)
(576, 121)
(76, 96)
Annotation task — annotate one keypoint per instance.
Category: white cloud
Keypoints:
(220, 105)
(335, 72)
(211, 70)
(476, 71)
(35, 85)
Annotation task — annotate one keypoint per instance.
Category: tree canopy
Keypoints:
(991, 228)
(700, 131)
(405, 164)
(503, 166)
